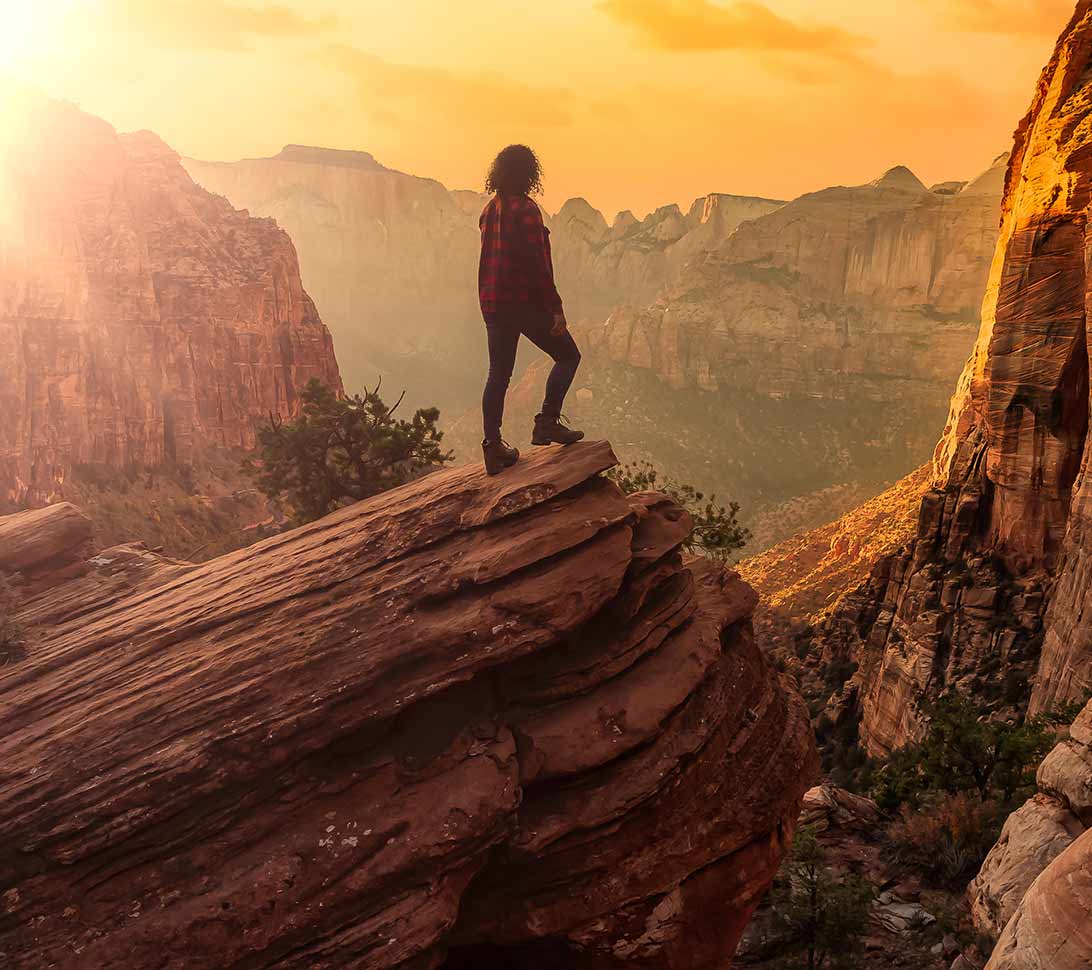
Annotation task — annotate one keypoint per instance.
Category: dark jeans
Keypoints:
(503, 332)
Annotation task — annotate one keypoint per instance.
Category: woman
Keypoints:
(518, 296)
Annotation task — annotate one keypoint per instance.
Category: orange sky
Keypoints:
(630, 103)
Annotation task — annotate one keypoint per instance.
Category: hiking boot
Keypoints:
(553, 431)
(498, 456)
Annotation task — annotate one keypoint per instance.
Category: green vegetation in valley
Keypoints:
(342, 449)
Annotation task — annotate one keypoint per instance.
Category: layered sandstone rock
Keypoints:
(41, 539)
(143, 321)
(1035, 888)
(991, 592)
(482, 720)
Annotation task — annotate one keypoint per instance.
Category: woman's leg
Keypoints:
(566, 357)
(503, 338)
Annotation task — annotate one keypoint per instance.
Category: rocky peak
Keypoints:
(477, 718)
(900, 179)
(992, 181)
(624, 223)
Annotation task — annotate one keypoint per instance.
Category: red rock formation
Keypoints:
(998, 571)
(469, 713)
(143, 320)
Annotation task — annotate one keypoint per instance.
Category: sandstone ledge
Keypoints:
(470, 711)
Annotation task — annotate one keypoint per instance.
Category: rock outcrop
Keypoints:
(1052, 929)
(476, 720)
(1034, 890)
(143, 321)
(991, 592)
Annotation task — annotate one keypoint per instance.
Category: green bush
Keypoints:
(341, 450)
(717, 532)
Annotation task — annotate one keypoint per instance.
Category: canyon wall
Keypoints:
(144, 322)
(470, 722)
(991, 593)
(392, 258)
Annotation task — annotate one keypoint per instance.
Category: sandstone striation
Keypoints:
(476, 720)
(143, 321)
(990, 594)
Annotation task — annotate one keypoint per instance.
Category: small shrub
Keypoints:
(946, 837)
(717, 532)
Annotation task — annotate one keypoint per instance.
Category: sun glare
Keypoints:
(19, 28)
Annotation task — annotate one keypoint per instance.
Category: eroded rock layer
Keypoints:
(143, 320)
(471, 712)
(991, 593)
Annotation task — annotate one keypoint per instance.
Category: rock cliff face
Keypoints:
(834, 295)
(390, 258)
(143, 320)
(473, 721)
(991, 592)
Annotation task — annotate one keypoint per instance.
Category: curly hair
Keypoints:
(515, 171)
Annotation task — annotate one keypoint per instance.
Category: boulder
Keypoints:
(1033, 836)
(1052, 927)
(472, 719)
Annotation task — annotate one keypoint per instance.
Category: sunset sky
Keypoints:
(630, 103)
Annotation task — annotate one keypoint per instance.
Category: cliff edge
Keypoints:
(471, 718)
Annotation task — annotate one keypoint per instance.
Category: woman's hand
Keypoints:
(560, 324)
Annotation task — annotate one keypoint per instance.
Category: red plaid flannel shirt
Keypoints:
(516, 269)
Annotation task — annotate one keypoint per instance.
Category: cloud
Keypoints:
(1028, 17)
(703, 25)
(403, 94)
(213, 24)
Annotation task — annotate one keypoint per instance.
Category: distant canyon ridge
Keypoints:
(794, 356)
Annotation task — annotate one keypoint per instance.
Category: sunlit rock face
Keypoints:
(992, 593)
(143, 321)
